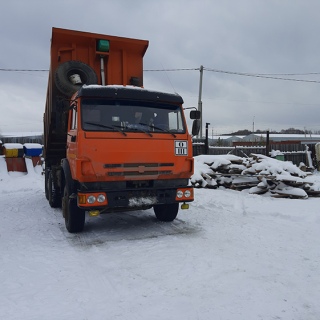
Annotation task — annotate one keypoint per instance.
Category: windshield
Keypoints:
(124, 116)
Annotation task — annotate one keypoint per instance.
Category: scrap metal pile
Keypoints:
(258, 173)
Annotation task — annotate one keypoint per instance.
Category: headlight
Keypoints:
(101, 198)
(187, 193)
(179, 194)
(91, 199)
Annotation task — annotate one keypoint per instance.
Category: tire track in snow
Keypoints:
(131, 226)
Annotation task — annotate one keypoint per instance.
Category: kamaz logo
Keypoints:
(181, 148)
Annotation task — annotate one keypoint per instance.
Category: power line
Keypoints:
(289, 74)
(179, 69)
(275, 76)
(46, 70)
(257, 75)
(272, 76)
(24, 70)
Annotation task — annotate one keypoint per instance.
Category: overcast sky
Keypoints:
(277, 38)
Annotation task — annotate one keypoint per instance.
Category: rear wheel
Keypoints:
(74, 216)
(166, 212)
(46, 180)
(54, 195)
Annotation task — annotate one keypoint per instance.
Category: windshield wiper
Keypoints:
(139, 127)
(158, 128)
(147, 132)
(105, 126)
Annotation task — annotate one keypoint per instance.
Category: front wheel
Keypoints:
(166, 212)
(74, 217)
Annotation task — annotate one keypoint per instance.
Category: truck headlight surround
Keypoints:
(184, 194)
(92, 199)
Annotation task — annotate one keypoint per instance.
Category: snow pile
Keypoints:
(258, 173)
(231, 256)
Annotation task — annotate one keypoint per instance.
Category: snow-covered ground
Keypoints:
(231, 256)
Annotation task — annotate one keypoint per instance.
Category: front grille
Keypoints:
(137, 169)
(136, 165)
(138, 173)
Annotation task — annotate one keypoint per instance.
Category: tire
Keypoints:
(46, 180)
(54, 194)
(67, 69)
(74, 217)
(166, 212)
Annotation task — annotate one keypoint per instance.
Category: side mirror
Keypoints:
(195, 114)
(195, 127)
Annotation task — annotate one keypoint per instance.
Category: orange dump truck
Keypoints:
(109, 144)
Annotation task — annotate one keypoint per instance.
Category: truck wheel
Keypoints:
(46, 180)
(54, 196)
(67, 69)
(166, 212)
(74, 217)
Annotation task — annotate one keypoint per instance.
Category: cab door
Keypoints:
(72, 139)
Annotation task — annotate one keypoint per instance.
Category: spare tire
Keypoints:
(70, 68)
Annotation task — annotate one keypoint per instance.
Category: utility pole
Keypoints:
(200, 101)
(253, 125)
(207, 138)
(268, 144)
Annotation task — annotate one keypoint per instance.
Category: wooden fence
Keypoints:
(296, 156)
